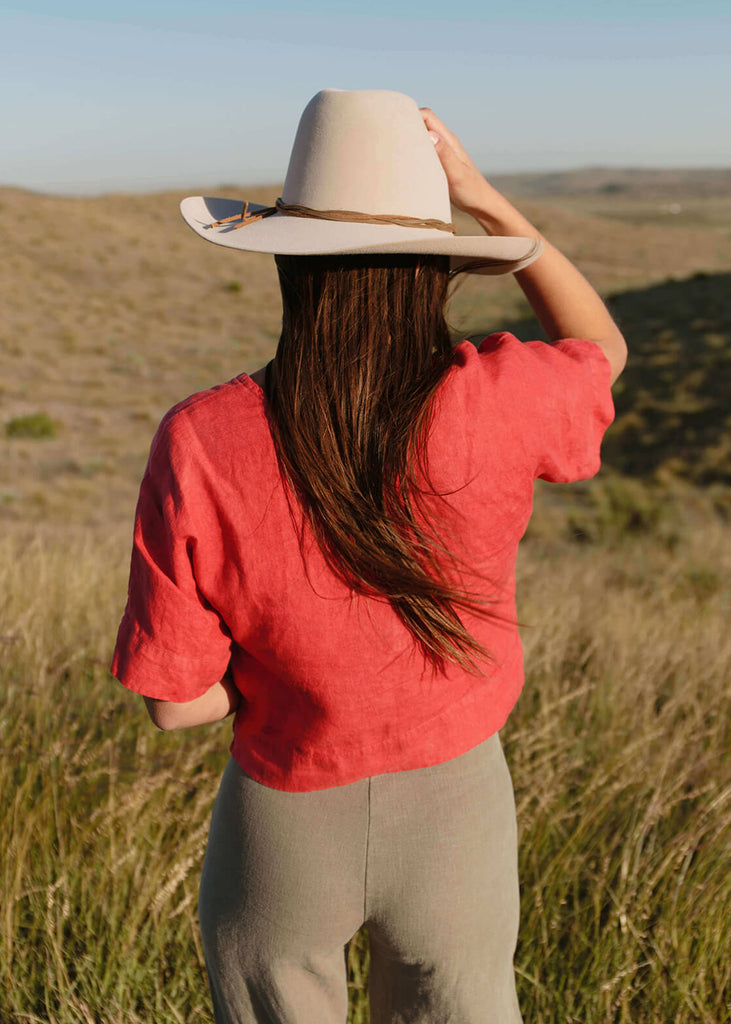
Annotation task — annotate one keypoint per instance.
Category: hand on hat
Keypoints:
(469, 190)
(466, 185)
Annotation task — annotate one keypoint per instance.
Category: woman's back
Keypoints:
(333, 685)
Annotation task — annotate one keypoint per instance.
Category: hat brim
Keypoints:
(300, 236)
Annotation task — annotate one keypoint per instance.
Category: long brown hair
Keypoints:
(363, 349)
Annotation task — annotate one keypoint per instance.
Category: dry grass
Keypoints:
(620, 750)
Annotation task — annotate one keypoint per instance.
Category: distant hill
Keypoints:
(113, 311)
(625, 182)
(632, 183)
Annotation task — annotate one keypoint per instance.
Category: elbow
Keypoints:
(614, 348)
(163, 714)
(618, 358)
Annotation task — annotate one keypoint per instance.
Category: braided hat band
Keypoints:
(351, 216)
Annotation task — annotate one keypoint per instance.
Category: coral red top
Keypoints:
(333, 687)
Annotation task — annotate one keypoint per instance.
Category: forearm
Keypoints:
(564, 302)
(212, 706)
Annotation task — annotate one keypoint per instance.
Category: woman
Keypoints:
(326, 548)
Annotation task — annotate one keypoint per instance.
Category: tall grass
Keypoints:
(621, 755)
(620, 750)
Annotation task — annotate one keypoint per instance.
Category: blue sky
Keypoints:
(100, 96)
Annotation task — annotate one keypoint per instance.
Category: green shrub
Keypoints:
(617, 507)
(34, 424)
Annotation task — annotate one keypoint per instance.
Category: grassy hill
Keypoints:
(113, 310)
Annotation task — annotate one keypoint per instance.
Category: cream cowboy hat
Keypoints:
(363, 177)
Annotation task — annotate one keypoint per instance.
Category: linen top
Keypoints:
(333, 686)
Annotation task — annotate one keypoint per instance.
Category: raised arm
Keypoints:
(564, 302)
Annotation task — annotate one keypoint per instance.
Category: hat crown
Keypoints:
(367, 151)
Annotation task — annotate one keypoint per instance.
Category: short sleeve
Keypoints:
(560, 399)
(172, 644)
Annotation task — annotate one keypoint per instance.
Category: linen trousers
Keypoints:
(426, 859)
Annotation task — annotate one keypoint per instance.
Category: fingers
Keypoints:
(451, 155)
(466, 183)
(439, 134)
(434, 124)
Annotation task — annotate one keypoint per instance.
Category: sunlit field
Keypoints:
(620, 747)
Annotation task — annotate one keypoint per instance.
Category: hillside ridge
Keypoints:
(600, 180)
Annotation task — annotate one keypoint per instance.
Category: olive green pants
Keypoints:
(427, 859)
